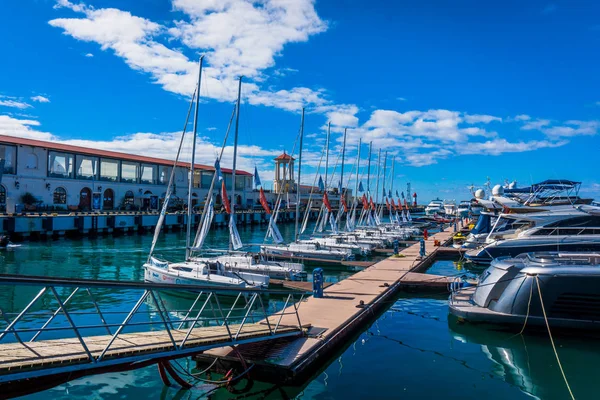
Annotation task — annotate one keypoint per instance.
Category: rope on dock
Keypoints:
(562, 371)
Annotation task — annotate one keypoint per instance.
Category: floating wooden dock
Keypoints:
(343, 312)
(295, 285)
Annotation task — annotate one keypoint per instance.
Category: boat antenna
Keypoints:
(192, 162)
(299, 174)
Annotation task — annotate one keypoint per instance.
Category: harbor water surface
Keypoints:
(410, 352)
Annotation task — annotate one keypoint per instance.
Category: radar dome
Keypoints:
(497, 190)
(479, 193)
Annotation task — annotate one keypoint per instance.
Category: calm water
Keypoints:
(411, 352)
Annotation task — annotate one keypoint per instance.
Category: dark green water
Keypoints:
(411, 352)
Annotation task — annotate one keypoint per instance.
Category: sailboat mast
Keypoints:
(192, 162)
(369, 169)
(384, 170)
(327, 153)
(378, 175)
(235, 144)
(392, 177)
(357, 169)
(299, 174)
(342, 169)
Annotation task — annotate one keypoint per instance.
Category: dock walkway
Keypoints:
(345, 305)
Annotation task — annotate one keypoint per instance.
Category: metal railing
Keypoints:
(181, 314)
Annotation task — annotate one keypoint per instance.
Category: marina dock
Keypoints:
(345, 309)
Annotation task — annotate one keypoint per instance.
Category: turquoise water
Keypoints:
(412, 351)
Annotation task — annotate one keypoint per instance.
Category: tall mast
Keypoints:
(369, 169)
(357, 169)
(384, 168)
(299, 173)
(235, 144)
(392, 177)
(342, 169)
(327, 153)
(191, 178)
(378, 175)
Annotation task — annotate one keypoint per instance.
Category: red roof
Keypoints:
(285, 156)
(107, 153)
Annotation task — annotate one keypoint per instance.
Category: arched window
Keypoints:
(60, 196)
(2, 195)
(128, 198)
(31, 161)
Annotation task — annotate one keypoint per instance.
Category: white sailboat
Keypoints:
(197, 271)
(298, 249)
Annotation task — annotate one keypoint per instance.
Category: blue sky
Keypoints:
(458, 92)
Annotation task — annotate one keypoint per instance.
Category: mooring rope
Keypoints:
(562, 371)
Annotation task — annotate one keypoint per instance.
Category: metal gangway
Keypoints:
(60, 329)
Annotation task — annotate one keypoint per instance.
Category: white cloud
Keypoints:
(522, 117)
(89, 55)
(485, 119)
(401, 98)
(22, 128)
(40, 99)
(211, 128)
(9, 102)
(535, 124)
(573, 128)
(423, 159)
(499, 146)
(239, 37)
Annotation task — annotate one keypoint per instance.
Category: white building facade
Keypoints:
(51, 176)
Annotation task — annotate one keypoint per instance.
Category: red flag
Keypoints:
(372, 204)
(394, 205)
(263, 201)
(344, 204)
(387, 203)
(225, 198)
(326, 201)
(365, 202)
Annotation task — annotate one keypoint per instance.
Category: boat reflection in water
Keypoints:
(528, 362)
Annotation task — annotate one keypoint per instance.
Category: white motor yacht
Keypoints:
(509, 291)
(434, 207)
(569, 230)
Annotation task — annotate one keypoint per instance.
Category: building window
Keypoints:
(181, 174)
(239, 182)
(86, 167)
(109, 170)
(60, 196)
(164, 174)
(9, 155)
(129, 198)
(2, 196)
(197, 178)
(207, 178)
(60, 165)
(31, 161)
(148, 174)
(228, 181)
(129, 172)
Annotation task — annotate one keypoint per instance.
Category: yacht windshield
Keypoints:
(483, 224)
